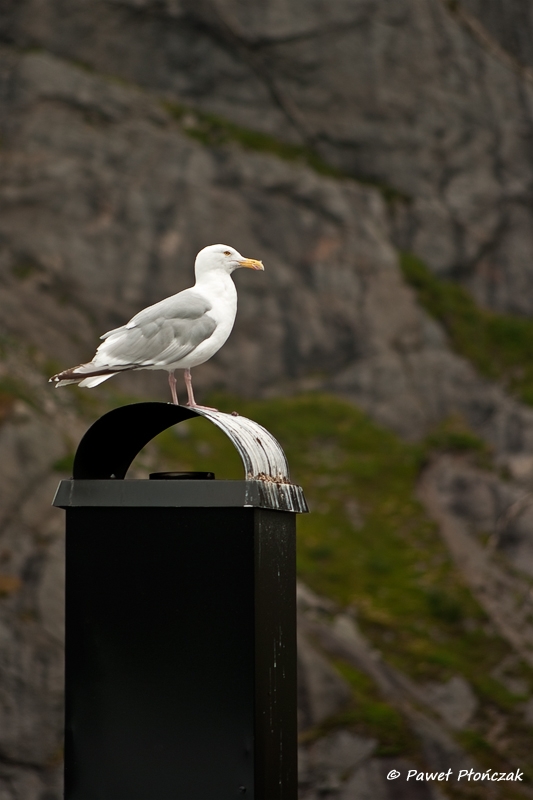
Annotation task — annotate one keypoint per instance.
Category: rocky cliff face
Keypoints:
(511, 24)
(96, 174)
(411, 94)
(320, 137)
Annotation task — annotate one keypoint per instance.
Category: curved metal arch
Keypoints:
(110, 445)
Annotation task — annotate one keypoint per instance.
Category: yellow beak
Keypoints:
(251, 263)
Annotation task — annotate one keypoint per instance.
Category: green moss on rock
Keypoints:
(389, 562)
(500, 346)
(214, 131)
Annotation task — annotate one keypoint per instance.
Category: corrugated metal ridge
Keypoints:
(262, 455)
(282, 496)
(263, 459)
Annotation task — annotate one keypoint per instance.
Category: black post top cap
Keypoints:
(108, 448)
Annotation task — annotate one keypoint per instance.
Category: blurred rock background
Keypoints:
(377, 156)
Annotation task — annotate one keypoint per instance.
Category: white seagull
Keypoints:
(179, 332)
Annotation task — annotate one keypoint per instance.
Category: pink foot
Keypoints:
(204, 408)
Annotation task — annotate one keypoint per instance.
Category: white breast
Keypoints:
(218, 288)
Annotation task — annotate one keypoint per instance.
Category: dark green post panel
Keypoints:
(180, 620)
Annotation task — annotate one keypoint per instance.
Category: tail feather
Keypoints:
(86, 375)
(89, 383)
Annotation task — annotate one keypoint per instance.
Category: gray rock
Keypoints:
(309, 601)
(509, 673)
(31, 693)
(51, 591)
(330, 761)
(31, 652)
(396, 91)
(492, 505)
(454, 701)
(510, 22)
(520, 467)
(441, 752)
(341, 751)
(321, 690)
(117, 182)
(369, 782)
(30, 784)
(528, 712)
(29, 446)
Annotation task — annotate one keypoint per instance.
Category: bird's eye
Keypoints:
(227, 252)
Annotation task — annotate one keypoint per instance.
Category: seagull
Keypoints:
(180, 332)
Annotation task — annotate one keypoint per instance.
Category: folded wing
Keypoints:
(158, 336)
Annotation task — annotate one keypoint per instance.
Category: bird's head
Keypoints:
(221, 256)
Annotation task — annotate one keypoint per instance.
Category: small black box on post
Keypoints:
(180, 620)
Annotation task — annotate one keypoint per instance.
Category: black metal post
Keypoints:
(180, 642)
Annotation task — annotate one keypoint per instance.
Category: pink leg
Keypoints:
(172, 383)
(191, 402)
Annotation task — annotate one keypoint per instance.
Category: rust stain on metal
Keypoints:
(271, 478)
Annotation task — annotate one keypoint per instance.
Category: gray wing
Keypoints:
(184, 305)
(160, 334)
